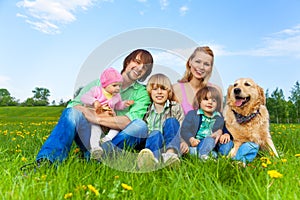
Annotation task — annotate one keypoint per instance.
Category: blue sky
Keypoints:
(45, 43)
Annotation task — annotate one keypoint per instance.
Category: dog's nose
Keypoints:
(237, 90)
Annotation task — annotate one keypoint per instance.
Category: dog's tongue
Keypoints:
(239, 102)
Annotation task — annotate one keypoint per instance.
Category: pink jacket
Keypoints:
(96, 93)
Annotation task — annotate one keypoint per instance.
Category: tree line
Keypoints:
(40, 98)
(280, 109)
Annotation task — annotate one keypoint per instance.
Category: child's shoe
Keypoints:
(146, 160)
(96, 153)
(171, 159)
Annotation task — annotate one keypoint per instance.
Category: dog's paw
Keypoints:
(232, 153)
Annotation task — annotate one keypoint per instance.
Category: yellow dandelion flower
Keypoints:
(126, 187)
(93, 189)
(264, 165)
(13, 139)
(283, 160)
(264, 159)
(76, 150)
(116, 177)
(297, 155)
(23, 159)
(274, 174)
(269, 162)
(68, 195)
(43, 177)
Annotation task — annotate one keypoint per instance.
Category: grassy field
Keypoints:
(23, 130)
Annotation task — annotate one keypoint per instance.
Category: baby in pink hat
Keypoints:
(103, 98)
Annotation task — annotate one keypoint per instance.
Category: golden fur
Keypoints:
(246, 98)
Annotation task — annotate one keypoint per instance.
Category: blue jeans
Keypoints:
(247, 152)
(135, 136)
(71, 126)
(170, 138)
(208, 146)
(224, 149)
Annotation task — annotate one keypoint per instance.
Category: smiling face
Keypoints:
(136, 69)
(245, 95)
(201, 65)
(159, 94)
(208, 104)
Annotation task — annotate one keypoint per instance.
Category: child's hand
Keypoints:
(194, 142)
(129, 103)
(96, 104)
(224, 138)
(217, 135)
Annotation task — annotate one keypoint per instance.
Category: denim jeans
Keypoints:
(170, 138)
(247, 152)
(135, 136)
(224, 149)
(71, 126)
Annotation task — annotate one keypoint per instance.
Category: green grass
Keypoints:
(23, 130)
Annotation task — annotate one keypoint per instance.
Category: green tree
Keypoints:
(41, 96)
(295, 98)
(277, 106)
(6, 99)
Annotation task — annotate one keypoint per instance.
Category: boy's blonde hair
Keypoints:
(162, 81)
(202, 94)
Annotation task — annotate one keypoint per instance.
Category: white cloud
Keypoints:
(47, 15)
(163, 4)
(282, 43)
(183, 10)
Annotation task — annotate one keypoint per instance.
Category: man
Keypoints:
(75, 121)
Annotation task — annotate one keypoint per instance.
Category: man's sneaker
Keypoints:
(32, 167)
(96, 153)
(171, 159)
(146, 160)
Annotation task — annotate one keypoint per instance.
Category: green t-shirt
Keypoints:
(206, 125)
(136, 92)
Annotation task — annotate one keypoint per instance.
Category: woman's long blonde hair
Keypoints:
(187, 74)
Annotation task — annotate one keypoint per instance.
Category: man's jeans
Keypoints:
(71, 126)
(135, 136)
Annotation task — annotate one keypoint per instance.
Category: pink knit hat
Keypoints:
(109, 76)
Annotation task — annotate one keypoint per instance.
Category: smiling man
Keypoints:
(75, 121)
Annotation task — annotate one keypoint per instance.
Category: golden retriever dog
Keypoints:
(246, 115)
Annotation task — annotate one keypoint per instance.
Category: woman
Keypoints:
(199, 68)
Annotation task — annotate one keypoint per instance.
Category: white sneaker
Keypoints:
(203, 157)
(146, 160)
(96, 153)
(170, 159)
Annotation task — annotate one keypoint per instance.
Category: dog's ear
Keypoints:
(229, 91)
(262, 96)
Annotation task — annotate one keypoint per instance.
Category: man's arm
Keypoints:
(104, 119)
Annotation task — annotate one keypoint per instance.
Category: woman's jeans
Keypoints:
(135, 136)
(71, 126)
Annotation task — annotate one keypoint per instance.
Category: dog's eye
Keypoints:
(247, 84)
(235, 85)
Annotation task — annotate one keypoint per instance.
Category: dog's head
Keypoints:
(245, 96)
